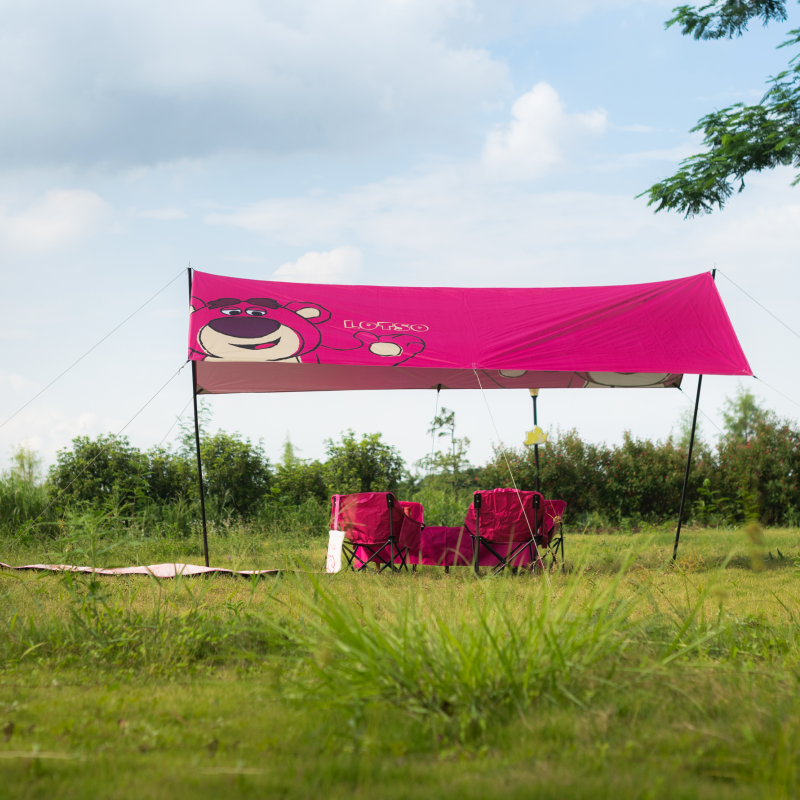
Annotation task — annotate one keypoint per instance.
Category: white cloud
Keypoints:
(163, 214)
(18, 383)
(455, 225)
(47, 429)
(429, 208)
(535, 138)
(339, 264)
(141, 82)
(59, 218)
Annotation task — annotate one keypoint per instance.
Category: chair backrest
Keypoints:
(364, 517)
(505, 519)
(414, 510)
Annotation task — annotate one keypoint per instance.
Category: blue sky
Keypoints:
(411, 142)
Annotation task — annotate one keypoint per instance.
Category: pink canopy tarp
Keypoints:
(268, 336)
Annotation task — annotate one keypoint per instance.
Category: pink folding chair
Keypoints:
(377, 530)
(414, 510)
(506, 522)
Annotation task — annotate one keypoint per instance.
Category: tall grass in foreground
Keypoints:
(453, 652)
(494, 650)
(148, 627)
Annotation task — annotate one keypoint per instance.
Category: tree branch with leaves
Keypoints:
(452, 462)
(742, 138)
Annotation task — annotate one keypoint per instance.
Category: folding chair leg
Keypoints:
(402, 553)
(350, 554)
(509, 558)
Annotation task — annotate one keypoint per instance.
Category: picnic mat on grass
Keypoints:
(156, 570)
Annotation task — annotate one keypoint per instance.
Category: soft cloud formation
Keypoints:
(47, 429)
(447, 205)
(454, 226)
(539, 131)
(462, 212)
(17, 383)
(339, 264)
(139, 82)
(59, 218)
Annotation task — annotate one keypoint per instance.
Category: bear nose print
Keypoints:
(244, 327)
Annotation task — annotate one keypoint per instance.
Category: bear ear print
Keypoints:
(196, 303)
(310, 311)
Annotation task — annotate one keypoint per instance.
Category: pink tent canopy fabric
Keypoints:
(268, 336)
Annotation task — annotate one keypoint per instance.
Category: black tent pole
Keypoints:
(197, 443)
(534, 395)
(688, 466)
(689, 455)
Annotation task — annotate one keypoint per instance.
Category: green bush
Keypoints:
(766, 465)
(23, 504)
(639, 479)
(368, 465)
(299, 481)
(109, 469)
(311, 518)
(571, 470)
(643, 479)
(236, 473)
(170, 475)
(94, 470)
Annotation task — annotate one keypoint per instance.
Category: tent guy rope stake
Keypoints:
(511, 475)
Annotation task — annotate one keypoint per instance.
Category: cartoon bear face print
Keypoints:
(258, 329)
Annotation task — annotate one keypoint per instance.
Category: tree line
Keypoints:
(752, 468)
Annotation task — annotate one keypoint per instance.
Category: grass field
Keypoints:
(624, 677)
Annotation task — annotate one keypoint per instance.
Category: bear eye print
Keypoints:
(231, 312)
(256, 312)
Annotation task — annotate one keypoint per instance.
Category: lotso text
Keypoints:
(261, 329)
